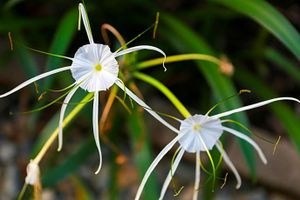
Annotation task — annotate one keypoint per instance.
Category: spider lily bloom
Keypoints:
(33, 173)
(94, 68)
(200, 133)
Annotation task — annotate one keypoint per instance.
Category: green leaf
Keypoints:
(11, 3)
(142, 152)
(25, 58)
(70, 164)
(266, 15)
(70, 114)
(221, 85)
(62, 40)
(45, 134)
(82, 190)
(16, 24)
(283, 63)
(113, 183)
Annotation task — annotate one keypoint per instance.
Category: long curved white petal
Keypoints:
(249, 140)
(197, 176)
(61, 117)
(36, 78)
(86, 23)
(230, 164)
(145, 106)
(154, 164)
(249, 107)
(96, 128)
(170, 175)
(142, 47)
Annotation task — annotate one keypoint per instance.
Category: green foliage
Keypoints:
(271, 19)
(189, 31)
(62, 39)
(142, 151)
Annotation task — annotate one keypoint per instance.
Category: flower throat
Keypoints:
(98, 67)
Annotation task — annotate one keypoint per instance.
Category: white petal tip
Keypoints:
(290, 98)
(263, 158)
(165, 69)
(238, 184)
(80, 6)
(98, 170)
(265, 162)
(60, 142)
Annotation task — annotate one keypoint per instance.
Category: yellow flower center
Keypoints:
(197, 127)
(98, 67)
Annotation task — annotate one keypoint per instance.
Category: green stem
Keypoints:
(150, 80)
(177, 58)
(53, 136)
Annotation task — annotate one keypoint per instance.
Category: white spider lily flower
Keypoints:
(94, 68)
(200, 133)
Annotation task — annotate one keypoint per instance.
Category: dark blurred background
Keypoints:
(261, 63)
